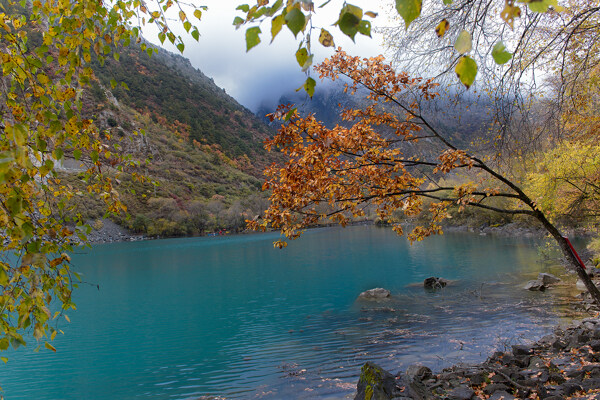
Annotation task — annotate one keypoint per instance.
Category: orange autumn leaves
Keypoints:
(334, 174)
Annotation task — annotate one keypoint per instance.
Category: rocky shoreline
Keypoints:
(563, 365)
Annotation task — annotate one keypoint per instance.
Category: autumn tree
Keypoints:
(46, 48)
(365, 161)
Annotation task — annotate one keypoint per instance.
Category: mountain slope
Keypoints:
(201, 148)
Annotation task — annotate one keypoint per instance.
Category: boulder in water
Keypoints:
(547, 279)
(434, 283)
(375, 294)
(535, 285)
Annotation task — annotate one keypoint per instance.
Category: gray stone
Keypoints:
(521, 350)
(495, 387)
(417, 372)
(435, 283)
(375, 294)
(547, 279)
(535, 285)
(501, 395)
(568, 388)
(461, 393)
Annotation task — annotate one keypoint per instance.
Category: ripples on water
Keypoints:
(233, 317)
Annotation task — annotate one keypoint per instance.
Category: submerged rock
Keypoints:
(375, 294)
(435, 283)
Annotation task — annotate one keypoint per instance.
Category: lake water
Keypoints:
(234, 317)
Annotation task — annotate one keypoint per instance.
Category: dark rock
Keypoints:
(435, 283)
(521, 361)
(375, 383)
(495, 387)
(502, 395)
(476, 379)
(556, 378)
(591, 370)
(375, 294)
(547, 279)
(559, 344)
(568, 388)
(417, 372)
(535, 285)
(536, 362)
(520, 350)
(589, 384)
(461, 393)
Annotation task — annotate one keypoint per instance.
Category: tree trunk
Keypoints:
(571, 259)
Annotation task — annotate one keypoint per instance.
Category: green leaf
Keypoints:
(309, 87)
(77, 154)
(463, 42)
(540, 6)
(289, 114)
(295, 20)
(20, 134)
(350, 19)
(276, 6)
(307, 63)
(196, 34)
(276, 24)
(326, 39)
(113, 83)
(180, 47)
(14, 203)
(238, 21)
(3, 279)
(243, 7)
(500, 55)
(252, 38)
(198, 14)
(302, 56)
(409, 10)
(365, 28)
(466, 70)
(448, 2)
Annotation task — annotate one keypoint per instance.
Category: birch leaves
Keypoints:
(297, 15)
(466, 66)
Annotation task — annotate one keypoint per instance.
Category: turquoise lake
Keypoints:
(236, 318)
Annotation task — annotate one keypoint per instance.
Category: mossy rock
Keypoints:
(375, 383)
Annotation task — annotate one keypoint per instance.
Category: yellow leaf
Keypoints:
(442, 27)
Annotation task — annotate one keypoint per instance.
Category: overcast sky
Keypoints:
(268, 70)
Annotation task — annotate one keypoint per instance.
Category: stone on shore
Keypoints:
(375, 383)
(375, 294)
(558, 366)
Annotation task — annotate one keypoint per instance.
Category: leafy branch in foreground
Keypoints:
(333, 174)
(46, 50)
